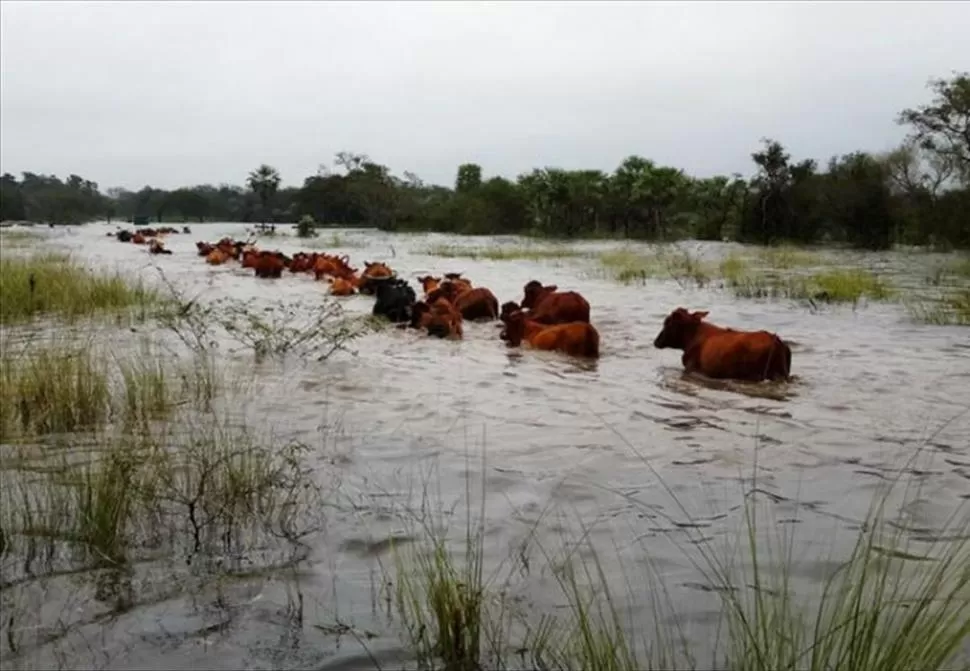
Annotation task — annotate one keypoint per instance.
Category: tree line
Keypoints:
(916, 194)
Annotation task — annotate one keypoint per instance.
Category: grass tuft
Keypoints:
(835, 286)
(52, 389)
(42, 284)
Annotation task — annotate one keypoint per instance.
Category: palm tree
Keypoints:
(264, 181)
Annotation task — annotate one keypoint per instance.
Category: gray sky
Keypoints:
(179, 93)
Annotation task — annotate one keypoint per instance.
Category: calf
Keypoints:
(444, 320)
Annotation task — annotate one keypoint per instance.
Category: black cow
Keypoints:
(394, 300)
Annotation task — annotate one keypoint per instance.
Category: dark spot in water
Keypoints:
(705, 587)
(367, 548)
(869, 472)
(692, 462)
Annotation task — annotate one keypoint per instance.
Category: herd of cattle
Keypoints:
(546, 318)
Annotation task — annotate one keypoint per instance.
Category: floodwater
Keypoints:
(606, 446)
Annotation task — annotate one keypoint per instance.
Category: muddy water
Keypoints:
(565, 444)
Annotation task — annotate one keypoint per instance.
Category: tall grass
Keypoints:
(891, 602)
(60, 386)
(42, 284)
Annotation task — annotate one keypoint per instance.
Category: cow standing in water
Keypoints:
(719, 352)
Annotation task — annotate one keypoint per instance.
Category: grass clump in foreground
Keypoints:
(899, 598)
(527, 253)
(62, 387)
(893, 603)
(185, 494)
(53, 284)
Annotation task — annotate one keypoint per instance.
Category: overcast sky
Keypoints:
(178, 93)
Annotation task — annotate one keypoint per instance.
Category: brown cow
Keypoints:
(204, 248)
(473, 304)
(333, 266)
(722, 352)
(547, 305)
(270, 265)
(302, 262)
(341, 287)
(250, 258)
(477, 304)
(444, 320)
(574, 338)
(429, 283)
(420, 315)
(462, 282)
(377, 269)
(217, 257)
(156, 247)
(372, 275)
(508, 307)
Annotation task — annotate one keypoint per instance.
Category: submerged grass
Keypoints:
(497, 253)
(786, 256)
(672, 263)
(952, 309)
(960, 267)
(835, 286)
(53, 284)
(17, 238)
(335, 240)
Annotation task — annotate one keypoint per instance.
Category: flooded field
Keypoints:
(624, 466)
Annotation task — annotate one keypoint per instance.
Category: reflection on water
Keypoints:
(592, 437)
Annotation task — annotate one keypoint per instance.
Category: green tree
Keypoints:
(469, 177)
(264, 181)
(943, 126)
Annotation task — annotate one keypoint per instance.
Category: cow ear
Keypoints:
(552, 287)
(700, 315)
